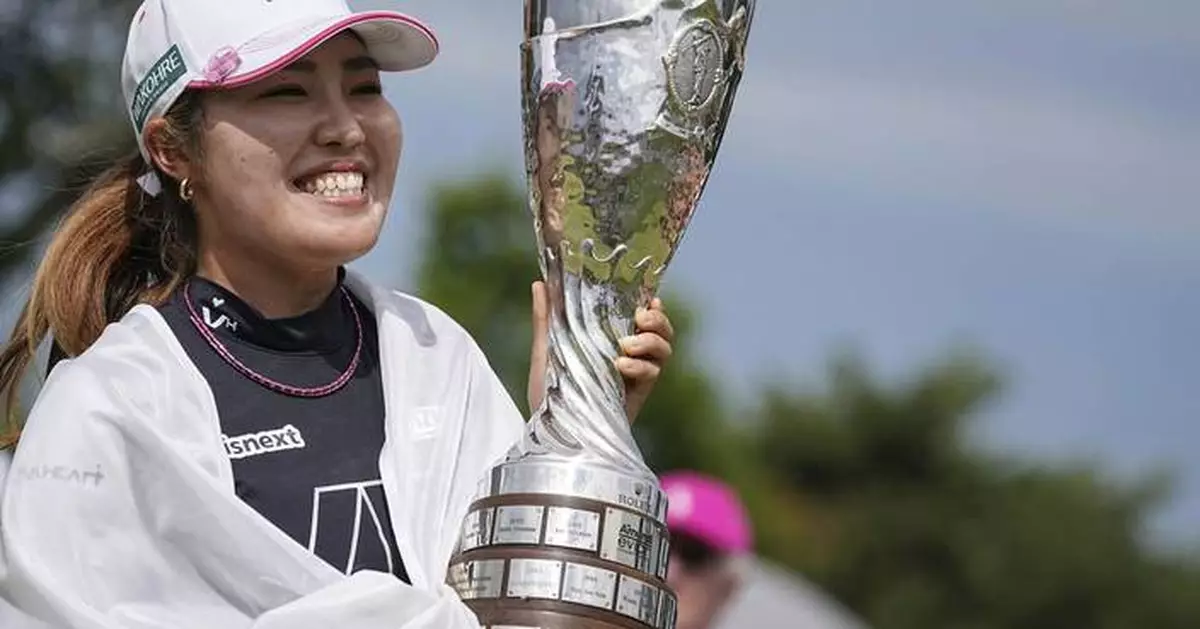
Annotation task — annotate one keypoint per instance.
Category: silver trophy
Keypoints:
(625, 104)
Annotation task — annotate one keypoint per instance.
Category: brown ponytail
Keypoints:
(115, 248)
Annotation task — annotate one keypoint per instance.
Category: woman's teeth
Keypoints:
(344, 184)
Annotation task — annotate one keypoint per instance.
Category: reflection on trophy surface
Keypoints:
(624, 105)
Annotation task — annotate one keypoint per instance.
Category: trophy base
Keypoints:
(559, 543)
(528, 616)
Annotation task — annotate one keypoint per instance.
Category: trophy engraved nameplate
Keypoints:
(624, 104)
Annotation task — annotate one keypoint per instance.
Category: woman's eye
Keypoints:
(284, 90)
(368, 88)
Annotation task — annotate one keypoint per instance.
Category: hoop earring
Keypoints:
(185, 189)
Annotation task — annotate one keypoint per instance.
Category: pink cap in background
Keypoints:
(708, 509)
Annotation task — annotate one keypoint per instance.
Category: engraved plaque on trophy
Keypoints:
(624, 105)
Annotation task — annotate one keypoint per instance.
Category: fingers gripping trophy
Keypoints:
(625, 104)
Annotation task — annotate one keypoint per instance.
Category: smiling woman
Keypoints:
(269, 440)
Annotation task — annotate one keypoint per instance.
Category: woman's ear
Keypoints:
(165, 150)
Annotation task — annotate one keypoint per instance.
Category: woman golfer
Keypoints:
(241, 433)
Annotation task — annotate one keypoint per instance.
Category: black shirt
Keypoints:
(310, 465)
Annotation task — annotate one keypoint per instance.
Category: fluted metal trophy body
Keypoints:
(625, 104)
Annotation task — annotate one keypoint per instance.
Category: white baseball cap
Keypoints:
(211, 44)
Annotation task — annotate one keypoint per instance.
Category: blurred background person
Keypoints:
(711, 545)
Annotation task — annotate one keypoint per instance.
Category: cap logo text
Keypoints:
(162, 75)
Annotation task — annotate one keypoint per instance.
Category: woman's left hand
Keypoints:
(644, 354)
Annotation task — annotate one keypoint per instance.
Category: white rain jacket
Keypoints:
(118, 509)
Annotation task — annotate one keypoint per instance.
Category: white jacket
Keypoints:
(118, 510)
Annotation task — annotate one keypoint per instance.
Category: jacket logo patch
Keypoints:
(425, 421)
(265, 442)
(61, 474)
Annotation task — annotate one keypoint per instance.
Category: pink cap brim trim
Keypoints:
(312, 42)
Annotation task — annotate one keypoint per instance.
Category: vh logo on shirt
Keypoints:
(222, 320)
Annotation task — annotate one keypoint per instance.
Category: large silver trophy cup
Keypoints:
(625, 104)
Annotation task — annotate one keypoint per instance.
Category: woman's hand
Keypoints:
(643, 355)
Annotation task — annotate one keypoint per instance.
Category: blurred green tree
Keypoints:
(901, 518)
(61, 117)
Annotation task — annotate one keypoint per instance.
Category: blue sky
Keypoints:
(1017, 175)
